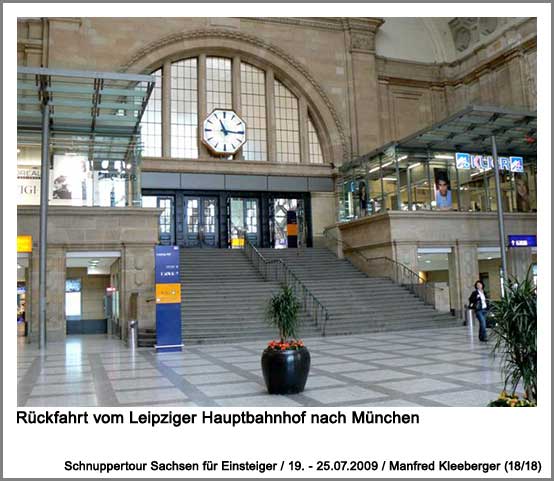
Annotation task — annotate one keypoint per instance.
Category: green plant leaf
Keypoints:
(516, 335)
(282, 312)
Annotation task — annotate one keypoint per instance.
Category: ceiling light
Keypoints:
(428, 261)
(387, 164)
(18, 151)
(417, 164)
(129, 166)
(19, 266)
(392, 179)
(489, 258)
(403, 157)
(444, 156)
(375, 169)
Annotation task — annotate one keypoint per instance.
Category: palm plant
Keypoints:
(516, 335)
(282, 312)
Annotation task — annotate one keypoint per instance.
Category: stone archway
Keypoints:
(262, 54)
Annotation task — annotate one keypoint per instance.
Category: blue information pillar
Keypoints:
(168, 299)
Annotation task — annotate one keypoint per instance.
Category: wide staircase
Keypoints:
(357, 303)
(224, 298)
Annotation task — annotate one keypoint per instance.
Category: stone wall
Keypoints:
(359, 100)
(502, 72)
(398, 235)
(131, 231)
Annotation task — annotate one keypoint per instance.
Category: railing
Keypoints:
(277, 270)
(386, 267)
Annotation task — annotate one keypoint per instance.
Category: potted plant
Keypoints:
(515, 331)
(285, 363)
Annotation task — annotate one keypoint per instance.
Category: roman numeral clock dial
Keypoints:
(224, 132)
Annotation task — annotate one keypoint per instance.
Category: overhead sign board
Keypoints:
(522, 240)
(486, 162)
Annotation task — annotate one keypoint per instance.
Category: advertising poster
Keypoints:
(28, 185)
(523, 201)
(443, 193)
(68, 179)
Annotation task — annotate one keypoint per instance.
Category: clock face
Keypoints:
(224, 132)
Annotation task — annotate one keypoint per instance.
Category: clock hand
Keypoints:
(225, 131)
(235, 132)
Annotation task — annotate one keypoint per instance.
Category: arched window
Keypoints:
(219, 90)
(253, 111)
(287, 133)
(202, 84)
(316, 156)
(151, 122)
(184, 109)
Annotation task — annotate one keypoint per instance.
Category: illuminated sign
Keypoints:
(24, 243)
(522, 240)
(486, 162)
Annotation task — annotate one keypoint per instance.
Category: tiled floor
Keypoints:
(442, 367)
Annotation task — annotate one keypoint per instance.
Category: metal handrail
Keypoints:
(400, 273)
(277, 270)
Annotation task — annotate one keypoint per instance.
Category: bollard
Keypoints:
(469, 315)
(132, 335)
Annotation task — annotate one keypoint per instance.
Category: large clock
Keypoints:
(224, 132)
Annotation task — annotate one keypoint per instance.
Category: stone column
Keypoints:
(137, 276)
(364, 100)
(55, 294)
(463, 271)
(270, 109)
(519, 261)
(516, 79)
(166, 109)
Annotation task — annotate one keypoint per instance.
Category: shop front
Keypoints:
(430, 202)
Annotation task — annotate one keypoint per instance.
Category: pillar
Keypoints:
(364, 91)
(519, 261)
(463, 271)
(137, 276)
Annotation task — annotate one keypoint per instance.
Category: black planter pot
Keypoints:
(285, 372)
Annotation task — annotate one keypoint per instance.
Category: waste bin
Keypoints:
(132, 335)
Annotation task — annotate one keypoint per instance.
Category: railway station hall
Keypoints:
(173, 174)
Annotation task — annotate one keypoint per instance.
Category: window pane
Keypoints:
(218, 83)
(253, 111)
(184, 109)
(316, 155)
(151, 123)
(287, 132)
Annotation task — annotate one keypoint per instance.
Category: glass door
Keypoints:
(201, 226)
(243, 222)
(167, 235)
(278, 221)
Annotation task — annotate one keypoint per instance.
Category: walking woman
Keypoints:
(478, 301)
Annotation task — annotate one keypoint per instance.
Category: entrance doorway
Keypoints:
(278, 220)
(242, 215)
(201, 226)
(92, 292)
(165, 202)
